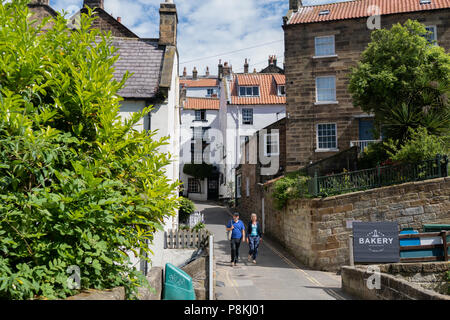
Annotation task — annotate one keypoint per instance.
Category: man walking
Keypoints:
(237, 229)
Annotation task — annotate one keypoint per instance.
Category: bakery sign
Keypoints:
(376, 242)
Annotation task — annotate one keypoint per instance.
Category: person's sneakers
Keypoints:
(249, 258)
(254, 261)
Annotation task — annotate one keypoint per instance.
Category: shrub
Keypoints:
(292, 186)
(78, 187)
(421, 146)
(373, 155)
(187, 207)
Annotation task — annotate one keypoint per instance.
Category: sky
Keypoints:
(209, 30)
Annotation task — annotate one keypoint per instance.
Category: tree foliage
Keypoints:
(78, 186)
(187, 207)
(404, 80)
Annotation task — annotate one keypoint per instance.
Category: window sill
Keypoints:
(321, 103)
(325, 57)
(200, 120)
(327, 150)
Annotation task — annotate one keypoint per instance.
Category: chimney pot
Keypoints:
(246, 66)
(184, 72)
(119, 19)
(194, 73)
(207, 71)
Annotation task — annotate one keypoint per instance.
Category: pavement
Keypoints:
(276, 276)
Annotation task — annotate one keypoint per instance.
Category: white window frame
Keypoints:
(209, 90)
(434, 32)
(243, 119)
(199, 185)
(317, 91)
(316, 56)
(252, 95)
(277, 139)
(279, 90)
(201, 112)
(318, 149)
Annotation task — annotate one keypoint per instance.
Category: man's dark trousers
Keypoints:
(235, 244)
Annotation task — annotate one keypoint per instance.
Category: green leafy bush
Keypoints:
(421, 146)
(375, 154)
(292, 186)
(187, 207)
(199, 226)
(78, 187)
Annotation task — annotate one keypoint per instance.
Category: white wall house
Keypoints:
(248, 103)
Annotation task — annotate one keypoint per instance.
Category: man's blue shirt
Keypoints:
(236, 233)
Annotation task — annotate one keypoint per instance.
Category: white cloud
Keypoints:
(209, 28)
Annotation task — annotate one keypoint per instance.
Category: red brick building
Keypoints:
(322, 44)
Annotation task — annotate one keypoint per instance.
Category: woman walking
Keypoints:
(254, 237)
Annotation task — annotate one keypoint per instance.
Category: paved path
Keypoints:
(276, 276)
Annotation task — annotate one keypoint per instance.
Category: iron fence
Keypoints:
(378, 177)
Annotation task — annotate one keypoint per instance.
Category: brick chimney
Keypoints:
(46, 2)
(184, 72)
(194, 74)
(220, 72)
(227, 69)
(94, 3)
(168, 23)
(246, 66)
(294, 5)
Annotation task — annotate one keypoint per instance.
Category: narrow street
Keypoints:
(276, 276)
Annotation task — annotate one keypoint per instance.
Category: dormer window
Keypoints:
(281, 90)
(249, 91)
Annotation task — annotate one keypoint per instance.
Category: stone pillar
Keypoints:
(168, 24)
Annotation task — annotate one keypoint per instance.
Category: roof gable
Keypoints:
(359, 9)
(268, 93)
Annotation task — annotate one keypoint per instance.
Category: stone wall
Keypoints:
(314, 230)
(351, 38)
(395, 287)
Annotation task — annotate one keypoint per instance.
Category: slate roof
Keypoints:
(359, 9)
(267, 88)
(143, 58)
(202, 104)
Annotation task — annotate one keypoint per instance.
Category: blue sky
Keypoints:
(209, 30)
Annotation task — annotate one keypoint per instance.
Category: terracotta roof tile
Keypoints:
(267, 89)
(200, 83)
(280, 79)
(202, 104)
(359, 9)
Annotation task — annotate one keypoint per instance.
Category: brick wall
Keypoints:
(314, 230)
(351, 38)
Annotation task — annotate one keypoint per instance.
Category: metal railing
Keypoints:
(362, 144)
(378, 177)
